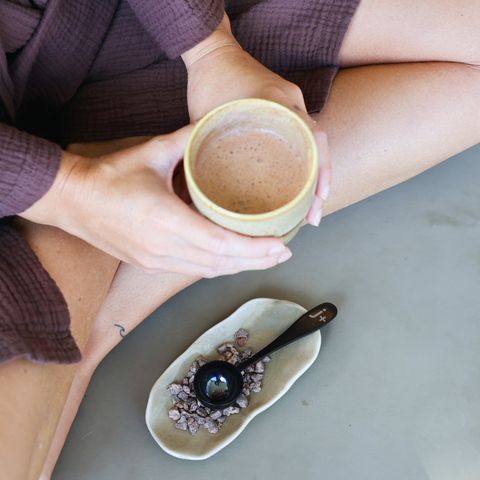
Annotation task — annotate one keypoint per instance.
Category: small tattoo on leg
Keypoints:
(122, 330)
(296, 107)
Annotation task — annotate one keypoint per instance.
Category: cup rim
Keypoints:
(307, 188)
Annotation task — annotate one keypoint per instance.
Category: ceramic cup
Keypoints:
(265, 116)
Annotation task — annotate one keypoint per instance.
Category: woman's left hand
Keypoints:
(228, 73)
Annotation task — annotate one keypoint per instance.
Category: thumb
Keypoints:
(166, 151)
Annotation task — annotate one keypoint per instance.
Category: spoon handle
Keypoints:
(308, 323)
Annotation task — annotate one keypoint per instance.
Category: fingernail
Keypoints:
(318, 217)
(285, 256)
(276, 250)
(325, 192)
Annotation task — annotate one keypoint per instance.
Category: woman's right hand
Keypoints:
(124, 204)
(220, 75)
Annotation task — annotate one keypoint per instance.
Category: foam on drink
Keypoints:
(249, 171)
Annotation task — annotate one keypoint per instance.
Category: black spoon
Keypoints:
(218, 384)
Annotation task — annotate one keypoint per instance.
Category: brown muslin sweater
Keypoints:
(85, 70)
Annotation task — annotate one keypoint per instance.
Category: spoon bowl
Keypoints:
(218, 384)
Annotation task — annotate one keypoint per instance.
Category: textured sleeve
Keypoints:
(34, 318)
(28, 166)
(178, 25)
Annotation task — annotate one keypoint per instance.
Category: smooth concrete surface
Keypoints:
(395, 391)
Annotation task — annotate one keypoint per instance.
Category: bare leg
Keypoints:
(131, 298)
(388, 123)
(393, 31)
(32, 395)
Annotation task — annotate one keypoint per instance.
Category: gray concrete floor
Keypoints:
(394, 393)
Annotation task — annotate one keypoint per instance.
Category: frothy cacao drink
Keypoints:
(249, 171)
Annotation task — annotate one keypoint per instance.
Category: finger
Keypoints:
(193, 254)
(221, 266)
(206, 235)
(166, 151)
(314, 214)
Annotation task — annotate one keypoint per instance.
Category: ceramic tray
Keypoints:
(264, 319)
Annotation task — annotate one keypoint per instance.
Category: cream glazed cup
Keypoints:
(264, 115)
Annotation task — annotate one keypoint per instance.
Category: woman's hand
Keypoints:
(124, 204)
(228, 73)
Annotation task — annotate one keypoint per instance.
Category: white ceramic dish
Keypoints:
(264, 319)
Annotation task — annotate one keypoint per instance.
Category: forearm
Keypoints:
(48, 209)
